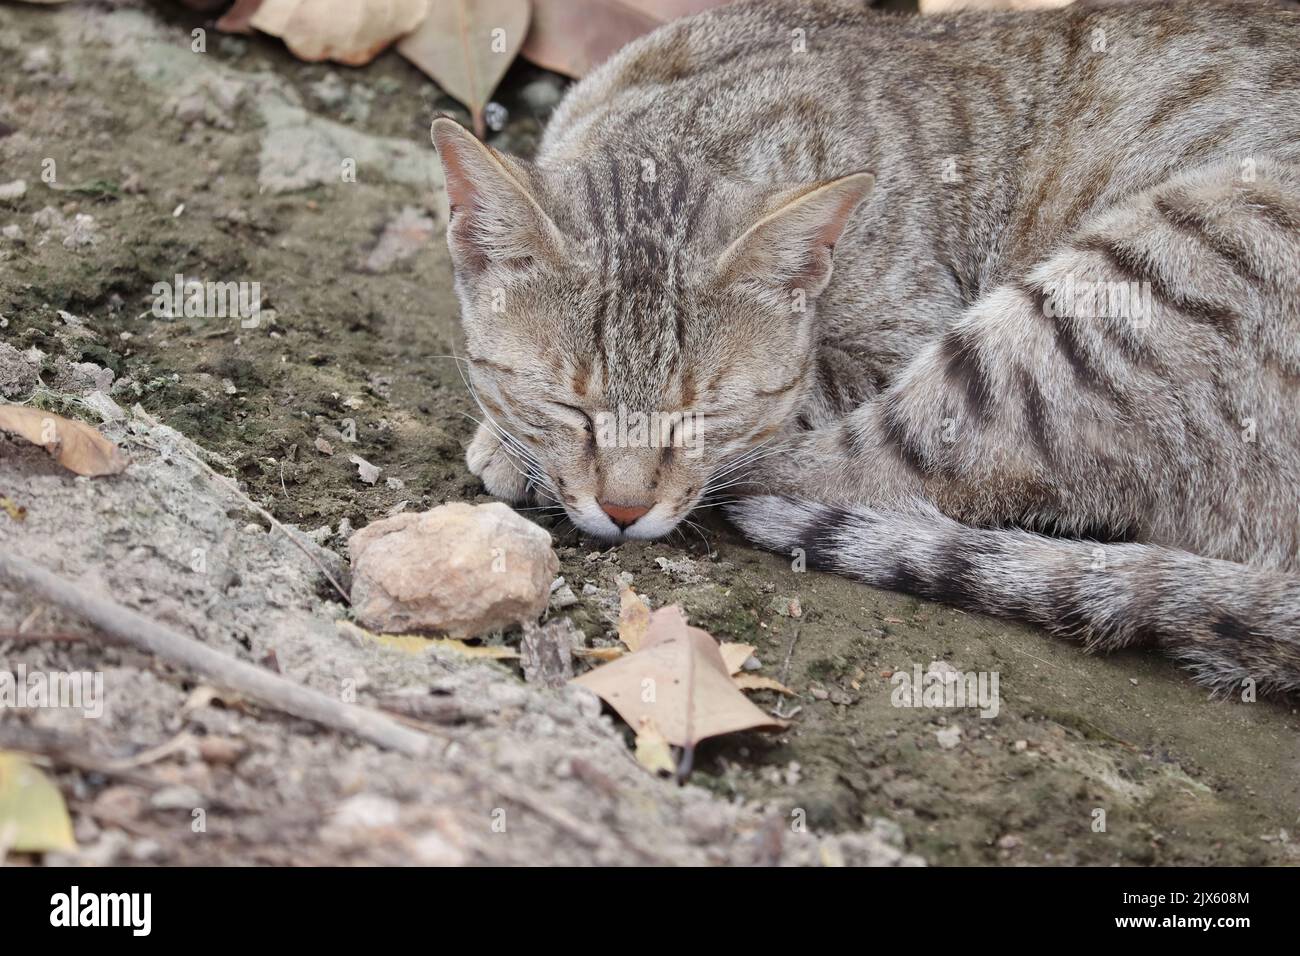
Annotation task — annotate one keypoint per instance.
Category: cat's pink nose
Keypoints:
(622, 515)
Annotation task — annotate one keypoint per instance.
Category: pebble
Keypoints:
(38, 60)
(949, 737)
(542, 95)
(178, 797)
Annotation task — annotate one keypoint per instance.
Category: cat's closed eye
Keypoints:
(576, 416)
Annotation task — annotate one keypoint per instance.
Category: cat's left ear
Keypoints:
(791, 244)
(494, 217)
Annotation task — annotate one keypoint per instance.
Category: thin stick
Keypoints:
(231, 486)
(789, 654)
(254, 682)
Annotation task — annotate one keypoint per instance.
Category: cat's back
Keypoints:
(794, 88)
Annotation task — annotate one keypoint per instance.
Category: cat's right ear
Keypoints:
(494, 217)
(791, 244)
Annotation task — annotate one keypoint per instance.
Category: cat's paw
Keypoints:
(488, 462)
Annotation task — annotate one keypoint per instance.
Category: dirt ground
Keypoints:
(225, 166)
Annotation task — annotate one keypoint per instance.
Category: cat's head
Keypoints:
(634, 326)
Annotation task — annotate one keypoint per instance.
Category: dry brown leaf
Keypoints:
(75, 445)
(735, 655)
(759, 682)
(633, 619)
(346, 31)
(679, 681)
(652, 750)
(466, 46)
(575, 36)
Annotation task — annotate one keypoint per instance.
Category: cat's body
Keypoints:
(935, 389)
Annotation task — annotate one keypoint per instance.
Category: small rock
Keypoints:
(367, 472)
(143, 851)
(433, 849)
(48, 218)
(949, 737)
(324, 447)
(13, 232)
(178, 797)
(367, 810)
(542, 95)
(683, 569)
(38, 60)
(1020, 746)
(82, 232)
(460, 569)
(220, 750)
(13, 190)
(562, 595)
(395, 484)
(819, 693)
(1008, 842)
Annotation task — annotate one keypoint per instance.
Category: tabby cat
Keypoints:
(1000, 310)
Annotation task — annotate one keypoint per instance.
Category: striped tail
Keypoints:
(1230, 624)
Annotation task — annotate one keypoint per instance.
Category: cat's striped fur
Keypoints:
(950, 426)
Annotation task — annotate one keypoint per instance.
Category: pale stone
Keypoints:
(460, 569)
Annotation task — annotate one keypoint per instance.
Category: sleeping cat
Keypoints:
(997, 310)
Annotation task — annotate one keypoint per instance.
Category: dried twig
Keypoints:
(255, 682)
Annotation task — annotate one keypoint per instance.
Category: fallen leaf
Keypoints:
(415, 644)
(345, 31)
(466, 46)
(633, 618)
(15, 511)
(33, 816)
(759, 682)
(735, 655)
(652, 750)
(678, 680)
(75, 445)
(575, 36)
